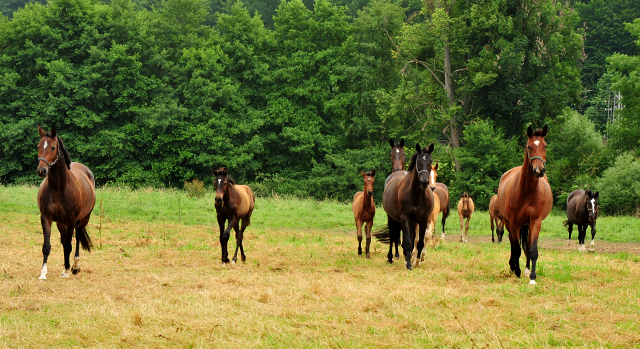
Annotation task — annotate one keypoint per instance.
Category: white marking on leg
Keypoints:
(43, 272)
(76, 264)
(65, 273)
(591, 246)
(527, 272)
(581, 248)
(536, 142)
(532, 282)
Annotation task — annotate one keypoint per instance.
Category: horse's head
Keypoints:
(48, 151)
(592, 204)
(220, 183)
(537, 150)
(433, 176)
(368, 182)
(397, 155)
(421, 161)
(465, 201)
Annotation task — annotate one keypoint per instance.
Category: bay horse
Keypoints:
(494, 216)
(465, 210)
(441, 190)
(582, 210)
(408, 203)
(364, 209)
(66, 196)
(398, 159)
(233, 203)
(525, 200)
(429, 233)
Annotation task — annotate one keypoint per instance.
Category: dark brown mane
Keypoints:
(538, 132)
(412, 162)
(368, 173)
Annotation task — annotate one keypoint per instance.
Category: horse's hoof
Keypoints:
(359, 252)
(233, 262)
(581, 248)
(244, 258)
(75, 271)
(42, 278)
(532, 282)
(368, 256)
(591, 249)
(65, 275)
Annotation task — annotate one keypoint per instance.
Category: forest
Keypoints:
(297, 97)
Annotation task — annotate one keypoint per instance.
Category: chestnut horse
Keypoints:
(494, 216)
(524, 200)
(66, 196)
(442, 191)
(582, 210)
(397, 155)
(233, 202)
(465, 210)
(408, 203)
(364, 209)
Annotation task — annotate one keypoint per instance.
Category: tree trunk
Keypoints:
(451, 97)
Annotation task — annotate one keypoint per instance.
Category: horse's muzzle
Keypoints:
(539, 172)
(370, 193)
(42, 172)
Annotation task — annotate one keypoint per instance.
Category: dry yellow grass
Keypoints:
(162, 285)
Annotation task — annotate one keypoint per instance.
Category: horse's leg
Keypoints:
(408, 230)
(593, 237)
(570, 228)
(514, 260)
(223, 238)
(236, 227)
(524, 240)
(466, 229)
(491, 220)
(397, 242)
(422, 228)
(392, 226)
(359, 232)
(46, 246)
(534, 232)
(461, 217)
(368, 232)
(445, 213)
(243, 227)
(582, 232)
(66, 236)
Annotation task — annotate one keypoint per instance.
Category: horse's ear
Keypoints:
(436, 168)
(529, 132)
(223, 171)
(364, 175)
(391, 142)
(418, 148)
(53, 131)
(545, 129)
(430, 150)
(597, 195)
(373, 173)
(402, 142)
(40, 131)
(588, 192)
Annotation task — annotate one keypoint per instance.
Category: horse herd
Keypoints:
(412, 200)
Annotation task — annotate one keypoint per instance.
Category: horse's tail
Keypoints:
(566, 223)
(524, 235)
(83, 237)
(383, 235)
(446, 212)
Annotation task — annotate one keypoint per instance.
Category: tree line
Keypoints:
(300, 99)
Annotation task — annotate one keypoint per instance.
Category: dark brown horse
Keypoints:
(582, 210)
(494, 216)
(234, 202)
(364, 209)
(524, 200)
(442, 191)
(408, 202)
(397, 155)
(66, 196)
(465, 210)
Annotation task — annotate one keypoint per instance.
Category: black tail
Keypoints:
(524, 235)
(83, 237)
(566, 224)
(383, 235)
(446, 213)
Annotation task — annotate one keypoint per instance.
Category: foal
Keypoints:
(364, 209)
(234, 202)
(465, 209)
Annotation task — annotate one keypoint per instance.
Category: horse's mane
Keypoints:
(538, 132)
(368, 173)
(231, 180)
(61, 147)
(412, 162)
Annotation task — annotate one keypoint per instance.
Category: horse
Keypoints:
(494, 216)
(397, 164)
(408, 203)
(441, 190)
(525, 200)
(582, 210)
(233, 203)
(66, 196)
(465, 210)
(364, 209)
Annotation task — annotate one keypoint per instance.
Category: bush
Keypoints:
(195, 188)
(619, 187)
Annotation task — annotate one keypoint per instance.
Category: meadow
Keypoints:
(154, 279)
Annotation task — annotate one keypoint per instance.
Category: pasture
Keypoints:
(154, 279)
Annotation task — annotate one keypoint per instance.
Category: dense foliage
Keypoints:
(300, 97)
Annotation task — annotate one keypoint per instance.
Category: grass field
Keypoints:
(154, 279)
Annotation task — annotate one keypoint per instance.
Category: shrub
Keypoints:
(619, 186)
(195, 188)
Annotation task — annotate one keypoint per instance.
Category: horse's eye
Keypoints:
(53, 148)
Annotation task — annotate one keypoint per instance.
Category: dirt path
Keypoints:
(561, 244)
